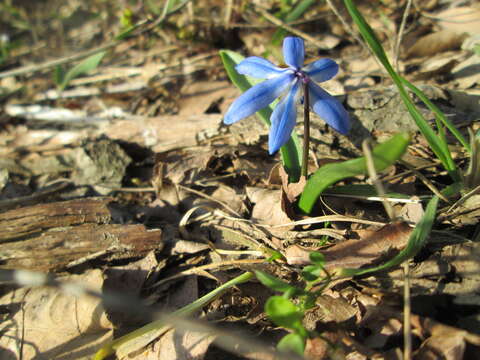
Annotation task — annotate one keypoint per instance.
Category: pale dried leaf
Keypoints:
(435, 43)
(267, 209)
(52, 324)
(460, 19)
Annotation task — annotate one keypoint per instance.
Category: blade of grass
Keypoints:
(417, 240)
(438, 114)
(291, 152)
(438, 146)
(383, 155)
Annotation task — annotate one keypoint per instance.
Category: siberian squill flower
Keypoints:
(288, 82)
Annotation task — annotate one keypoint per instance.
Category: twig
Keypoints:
(407, 326)
(56, 62)
(400, 33)
(372, 172)
(347, 26)
(424, 179)
(290, 29)
(354, 34)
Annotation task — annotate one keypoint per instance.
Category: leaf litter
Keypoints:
(160, 200)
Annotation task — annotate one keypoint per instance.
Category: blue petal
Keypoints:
(257, 97)
(322, 70)
(258, 67)
(293, 52)
(283, 120)
(328, 108)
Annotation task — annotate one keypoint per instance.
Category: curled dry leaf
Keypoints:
(372, 246)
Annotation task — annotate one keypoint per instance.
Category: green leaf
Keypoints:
(317, 258)
(285, 313)
(274, 283)
(58, 75)
(437, 143)
(383, 155)
(364, 191)
(417, 240)
(81, 68)
(293, 342)
(291, 152)
(312, 272)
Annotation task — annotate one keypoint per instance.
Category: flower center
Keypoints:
(302, 76)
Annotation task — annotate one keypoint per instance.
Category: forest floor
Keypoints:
(124, 179)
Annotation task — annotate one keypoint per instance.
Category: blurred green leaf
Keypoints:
(86, 65)
(58, 75)
(274, 283)
(291, 152)
(317, 258)
(285, 313)
(293, 342)
(417, 240)
(312, 272)
(383, 155)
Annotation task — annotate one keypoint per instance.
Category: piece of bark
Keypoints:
(58, 248)
(54, 236)
(30, 220)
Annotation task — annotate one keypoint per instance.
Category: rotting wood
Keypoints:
(54, 236)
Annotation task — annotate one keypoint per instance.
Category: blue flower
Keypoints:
(287, 82)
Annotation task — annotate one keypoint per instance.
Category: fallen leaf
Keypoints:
(267, 208)
(435, 43)
(372, 246)
(461, 19)
(46, 323)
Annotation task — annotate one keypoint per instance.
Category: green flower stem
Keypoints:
(306, 129)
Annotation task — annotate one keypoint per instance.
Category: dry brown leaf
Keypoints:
(460, 19)
(444, 344)
(356, 253)
(435, 43)
(201, 96)
(467, 73)
(165, 132)
(50, 324)
(267, 209)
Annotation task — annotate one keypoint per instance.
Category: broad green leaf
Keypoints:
(291, 152)
(81, 68)
(291, 16)
(437, 143)
(383, 155)
(285, 313)
(417, 240)
(274, 283)
(293, 342)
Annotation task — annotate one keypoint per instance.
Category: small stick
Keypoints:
(407, 326)
(400, 33)
(306, 129)
(376, 182)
